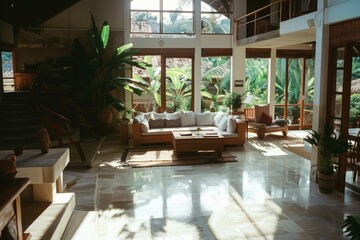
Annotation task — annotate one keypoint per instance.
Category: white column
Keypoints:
(197, 58)
(271, 81)
(321, 70)
(238, 69)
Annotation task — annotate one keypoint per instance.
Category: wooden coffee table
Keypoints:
(197, 142)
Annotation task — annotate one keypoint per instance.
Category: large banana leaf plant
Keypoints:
(101, 75)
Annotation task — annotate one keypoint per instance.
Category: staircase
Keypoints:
(18, 122)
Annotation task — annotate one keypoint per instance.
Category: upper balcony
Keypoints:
(281, 23)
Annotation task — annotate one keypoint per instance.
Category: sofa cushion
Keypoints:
(231, 125)
(172, 116)
(217, 118)
(172, 122)
(223, 123)
(157, 116)
(204, 119)
(265, 119)
(156, 123)
(187, 118)
(146, 115)
(144, 126)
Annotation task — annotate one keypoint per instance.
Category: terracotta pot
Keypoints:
(104, 117)
(326, 182)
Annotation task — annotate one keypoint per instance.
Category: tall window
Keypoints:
(151, 18)
(256, 82)
(216, 16)
(215, 81)
(170, 84)
(7, 70)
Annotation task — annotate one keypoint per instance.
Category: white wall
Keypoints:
(344, 10)
(78, 16)
(6, 33)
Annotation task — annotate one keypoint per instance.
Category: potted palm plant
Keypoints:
(101, 75)
(330, 145)
(233, 101)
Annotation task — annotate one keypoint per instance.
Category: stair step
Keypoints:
(82, 225)
(53, 218)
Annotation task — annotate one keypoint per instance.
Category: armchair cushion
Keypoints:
(259, 109)
(265, 119)
(280, 122)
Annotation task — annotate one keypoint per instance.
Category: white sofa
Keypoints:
(155, 127)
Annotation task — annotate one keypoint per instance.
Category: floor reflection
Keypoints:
(267, 194)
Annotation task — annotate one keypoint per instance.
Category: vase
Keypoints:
(326, 182)
(44, 140)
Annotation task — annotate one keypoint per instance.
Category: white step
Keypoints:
(82, 225)
(53, 218)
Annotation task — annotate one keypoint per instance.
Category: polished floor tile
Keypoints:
(267, 194)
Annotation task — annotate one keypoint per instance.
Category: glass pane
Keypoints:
(338, 105)
(150, 100)
(216, 6)
(339, 80)
(293, 115)
(175, 22)
(279, 112)
(337, 124)
(145, 5)
(177, 5)
(294, 82)
(7, 65)
(215, 82)
(178, 84)
(354, 112)
(148, 22)
(340, 57)
(256, 74)
(280, 80)
(215, 23)
(308, 114)
(309, 82)
(7, 71)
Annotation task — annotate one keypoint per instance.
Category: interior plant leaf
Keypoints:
(351, 227)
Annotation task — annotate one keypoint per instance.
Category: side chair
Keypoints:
(263, 123)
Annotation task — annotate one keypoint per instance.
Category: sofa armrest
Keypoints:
(136, 132)
(240, 130)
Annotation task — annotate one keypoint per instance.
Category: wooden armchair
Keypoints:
(263, 122)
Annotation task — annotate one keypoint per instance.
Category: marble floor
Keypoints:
(267, 194)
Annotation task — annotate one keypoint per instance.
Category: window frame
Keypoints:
(161, 13)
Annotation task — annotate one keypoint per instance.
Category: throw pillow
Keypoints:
(280, 122)
(139, 118)
(157, 123)
(231, 125)
(157, 116)
(187, 118)
(218, 117)
(204, 119)
(265, 119)
(144, 126)
(172, 122)
(223, 123)
(173, 116)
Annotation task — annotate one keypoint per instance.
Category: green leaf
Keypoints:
(105, 30)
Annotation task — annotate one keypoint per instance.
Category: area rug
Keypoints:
(139, 157)
(294, 145)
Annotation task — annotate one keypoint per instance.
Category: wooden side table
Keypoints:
(10, 208)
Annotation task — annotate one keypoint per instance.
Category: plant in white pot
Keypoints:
(329, 145)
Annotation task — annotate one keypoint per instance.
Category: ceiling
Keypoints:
(31, 13)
